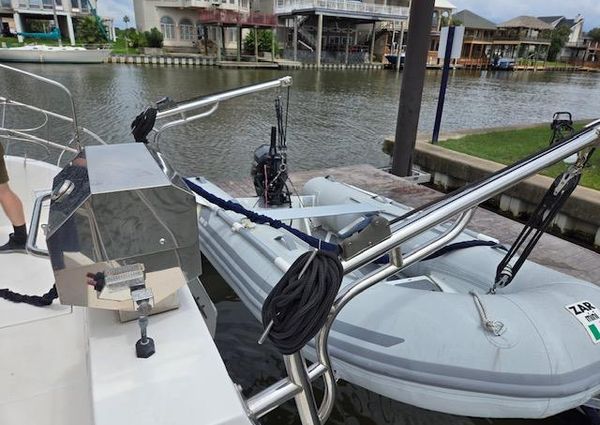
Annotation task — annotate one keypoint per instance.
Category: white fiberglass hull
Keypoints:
(70, 365)
(53, 55)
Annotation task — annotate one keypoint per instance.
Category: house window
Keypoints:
(74, 4)
(58, 4)
(167, 27)
(47, 4)
(186, 29)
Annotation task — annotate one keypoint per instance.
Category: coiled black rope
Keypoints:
(299, 305)
(35, 300)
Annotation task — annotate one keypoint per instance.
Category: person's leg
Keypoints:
(13, 208)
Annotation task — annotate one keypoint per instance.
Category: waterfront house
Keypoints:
(442, 15)
(19, 15)
(314, 31)
(592, 51)
(523, 37)
(574, 49)
(478, 40)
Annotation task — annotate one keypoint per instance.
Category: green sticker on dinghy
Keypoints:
(589, 316)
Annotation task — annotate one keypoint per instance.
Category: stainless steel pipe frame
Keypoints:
(428, 216)
(212, 101)
(55, 84)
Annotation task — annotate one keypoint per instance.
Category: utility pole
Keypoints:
(411, 92)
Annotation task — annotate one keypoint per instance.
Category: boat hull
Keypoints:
(53, 56)
(424, 346)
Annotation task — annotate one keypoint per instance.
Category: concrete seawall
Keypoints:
(579, 218)
(195, 60)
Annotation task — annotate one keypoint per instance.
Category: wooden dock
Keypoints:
(551, 251)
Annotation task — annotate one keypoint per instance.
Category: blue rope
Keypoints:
(261, 219)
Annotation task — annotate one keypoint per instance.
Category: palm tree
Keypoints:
(126, 20)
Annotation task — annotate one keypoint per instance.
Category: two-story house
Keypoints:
(17, 15)
(310, 30)
(574, 48)
(478, 39)
(524, 37)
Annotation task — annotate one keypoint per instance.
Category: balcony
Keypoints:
(576, 45)
(340, 7)
(481, 38)
(229, 17)
(523, 38)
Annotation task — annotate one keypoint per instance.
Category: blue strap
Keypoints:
(261, 219)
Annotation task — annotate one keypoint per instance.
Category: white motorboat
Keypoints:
(53, 54)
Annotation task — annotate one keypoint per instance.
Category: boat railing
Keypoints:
(25, 134)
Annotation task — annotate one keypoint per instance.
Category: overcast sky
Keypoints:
(494, 10)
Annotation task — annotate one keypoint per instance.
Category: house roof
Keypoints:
(472, 20)
(526, 22)
(550, 19)
(444, 4)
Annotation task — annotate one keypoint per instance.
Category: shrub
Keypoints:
(265, 41)
(154, 38)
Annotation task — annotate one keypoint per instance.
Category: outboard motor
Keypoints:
(269, 174)
(121, 234)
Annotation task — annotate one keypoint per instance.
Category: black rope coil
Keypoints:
(35, 300)
(299, 305)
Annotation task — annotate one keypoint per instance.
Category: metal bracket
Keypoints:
(377, 231)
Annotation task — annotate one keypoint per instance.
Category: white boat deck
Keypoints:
(69, 365)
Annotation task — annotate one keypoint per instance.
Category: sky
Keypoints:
(494, 10)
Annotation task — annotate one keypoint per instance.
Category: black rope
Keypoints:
(531, 233)
(461, 245)
(35, 300)
(299, 306)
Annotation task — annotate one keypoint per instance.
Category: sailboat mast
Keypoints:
(56, 23)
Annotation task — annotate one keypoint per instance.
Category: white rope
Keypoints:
(494, 326)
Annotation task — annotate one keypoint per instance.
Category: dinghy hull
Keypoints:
(419, 337)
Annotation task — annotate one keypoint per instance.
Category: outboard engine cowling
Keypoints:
(269, 174)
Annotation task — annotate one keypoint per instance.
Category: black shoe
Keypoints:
(13, 245)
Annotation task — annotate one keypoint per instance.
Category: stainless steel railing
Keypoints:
(211, 101)
(59, 86)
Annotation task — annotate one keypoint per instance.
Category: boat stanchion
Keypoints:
(295, 366)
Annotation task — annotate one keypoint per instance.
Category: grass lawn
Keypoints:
(507, 147)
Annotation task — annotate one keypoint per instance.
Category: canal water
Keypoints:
(335, 118)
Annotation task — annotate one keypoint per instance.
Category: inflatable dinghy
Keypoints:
(432, 336)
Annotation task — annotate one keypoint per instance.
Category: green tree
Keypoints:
(558, 39)
(154, 38)
(594, 34)
(88, 32)
(265, 41)
(445, 21)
